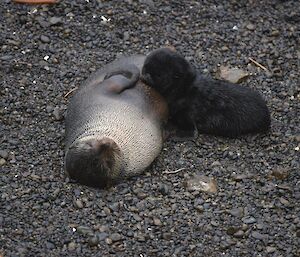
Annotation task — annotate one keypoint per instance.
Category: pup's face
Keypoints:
(167, 72)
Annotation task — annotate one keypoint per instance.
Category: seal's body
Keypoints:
(197, 102)
(113, 125)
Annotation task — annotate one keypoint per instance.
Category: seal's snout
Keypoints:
(94, 162)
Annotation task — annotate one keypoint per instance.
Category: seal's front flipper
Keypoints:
(130, 74)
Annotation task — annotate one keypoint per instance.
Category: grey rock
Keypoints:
(115, 237)
(93, 241)
(78, 204)
(45, 39)
(259, 236)
(71, 246)
(249, 220)
(84, 230)
(55, 20)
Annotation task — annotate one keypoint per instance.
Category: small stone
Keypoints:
(237, 212)
(2, 161)
(115, 237)
(250, 26)
(45, 39)
(280, 173)
(136, 217)
(108, 241)
(216, 163)
(93, 241)
(106, 210)
(201, 183)
(164, 190)
(157, 222)
(249, 220)
(270, 249)
(233, 75)
(78, 204)
(224, 48)
(126, 35)
(102, 236)
(214, 223)
(71, 246)
(4, 154)
(84, 230)
(57, 114)
(284, 201)
(55, 20)
(199, 208)
(275, 33)
(232, 230)
(258, 235)
(239, 234)
(6, 57)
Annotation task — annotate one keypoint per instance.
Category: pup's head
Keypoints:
(168, 72)
(94, 162)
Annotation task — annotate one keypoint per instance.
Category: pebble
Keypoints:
(2, 161)
(249, 220)
(157, 222)
(115, 237)
(71, 246)
(45, 39)
(6, 57)
(84, 230)
(233, 75)
(78, 204)
(108, 241)
(57, 114)
(237, 212)
(284, 201)
(258, 235)
(239, 234)
(201, 183)
(250, 26)
(55, 20)
(102, 236)
(270, 249)
(93, 241)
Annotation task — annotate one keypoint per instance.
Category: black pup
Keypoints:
(203, 104)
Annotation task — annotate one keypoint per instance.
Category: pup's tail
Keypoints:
(94, 162)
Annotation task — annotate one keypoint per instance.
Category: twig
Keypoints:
(174, 171)
(71, 91)
(21, 62)
(258, 64)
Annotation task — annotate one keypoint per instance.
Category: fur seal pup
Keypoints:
(201, 104)
(113, 125)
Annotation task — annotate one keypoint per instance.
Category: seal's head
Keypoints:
(94, 162)
(168, 72)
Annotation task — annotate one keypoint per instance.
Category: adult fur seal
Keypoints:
(113, 125)
(197, 102)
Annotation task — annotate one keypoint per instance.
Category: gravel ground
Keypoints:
(48, 50)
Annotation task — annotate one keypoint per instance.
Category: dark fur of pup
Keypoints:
(204, 104)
